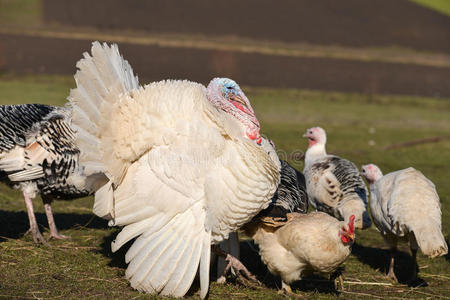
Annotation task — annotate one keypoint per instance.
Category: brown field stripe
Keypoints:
(356, 54)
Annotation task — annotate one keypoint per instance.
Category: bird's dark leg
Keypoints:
(237, 266)
(415, 270)
(54, 233)
(34, 229)
(338, 280)
(391, 240)
(414, 246)
(391, 273)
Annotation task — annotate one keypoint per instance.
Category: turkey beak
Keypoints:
(307, 135)
(240, 99)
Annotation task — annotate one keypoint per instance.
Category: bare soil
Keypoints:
(28, 54)
(356, 23)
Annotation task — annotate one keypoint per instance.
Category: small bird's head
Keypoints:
(347, 232)
(225, 94)
(315, 135)
(371, 173)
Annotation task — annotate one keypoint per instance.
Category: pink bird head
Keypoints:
(226, 95)
(371, 173)
(315, 135)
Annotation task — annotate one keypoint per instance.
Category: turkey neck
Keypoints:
(313, 153)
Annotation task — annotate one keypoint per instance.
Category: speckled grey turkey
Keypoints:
(38, 155)
(334, 184)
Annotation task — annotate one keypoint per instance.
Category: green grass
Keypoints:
(442, 6)
(358, 126)
(23, 13)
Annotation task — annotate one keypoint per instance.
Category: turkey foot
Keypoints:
(239, 269)
(338, 280)
(287, 291)
(51, 223)
(339, 283)
(391, 273)
(58, 236)
(34, 229)
(37, 236)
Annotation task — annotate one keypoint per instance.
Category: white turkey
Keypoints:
(304, 244)
(290, 197)
(334, 184)
(38, 155)
(405, 206)
(186, 165)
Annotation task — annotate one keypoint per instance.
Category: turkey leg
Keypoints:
(414, 256)
(54, 233)
(391, 273)
(34, 229)
(237, 266)
(287, 291)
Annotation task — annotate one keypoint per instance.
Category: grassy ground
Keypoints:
(359, 128)
(442, 6)
(20, 12)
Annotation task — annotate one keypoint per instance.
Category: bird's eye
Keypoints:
(229, 87)
(364, 171)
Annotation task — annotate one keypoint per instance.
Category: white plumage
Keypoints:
(315, 242)
(184, 167)
(405, 206)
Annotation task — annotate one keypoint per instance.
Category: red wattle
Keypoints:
(312, 143)
(344, 238)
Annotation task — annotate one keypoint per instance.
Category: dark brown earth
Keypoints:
(22, 54)
(355, 23)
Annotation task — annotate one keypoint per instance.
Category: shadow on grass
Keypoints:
(15, 224)
(379, 259)
(117, 259)
(447, 256)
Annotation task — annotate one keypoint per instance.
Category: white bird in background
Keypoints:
(184, 163)
(38, 155)
(334, 184)
(405, 206)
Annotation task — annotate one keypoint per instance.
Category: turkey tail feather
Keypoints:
(430, 240)
(101, 78)
(165, 259)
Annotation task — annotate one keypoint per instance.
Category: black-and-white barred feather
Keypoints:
(16, 121)
(50, 156)
(38, 154)
(290, 196)
(347, 174)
